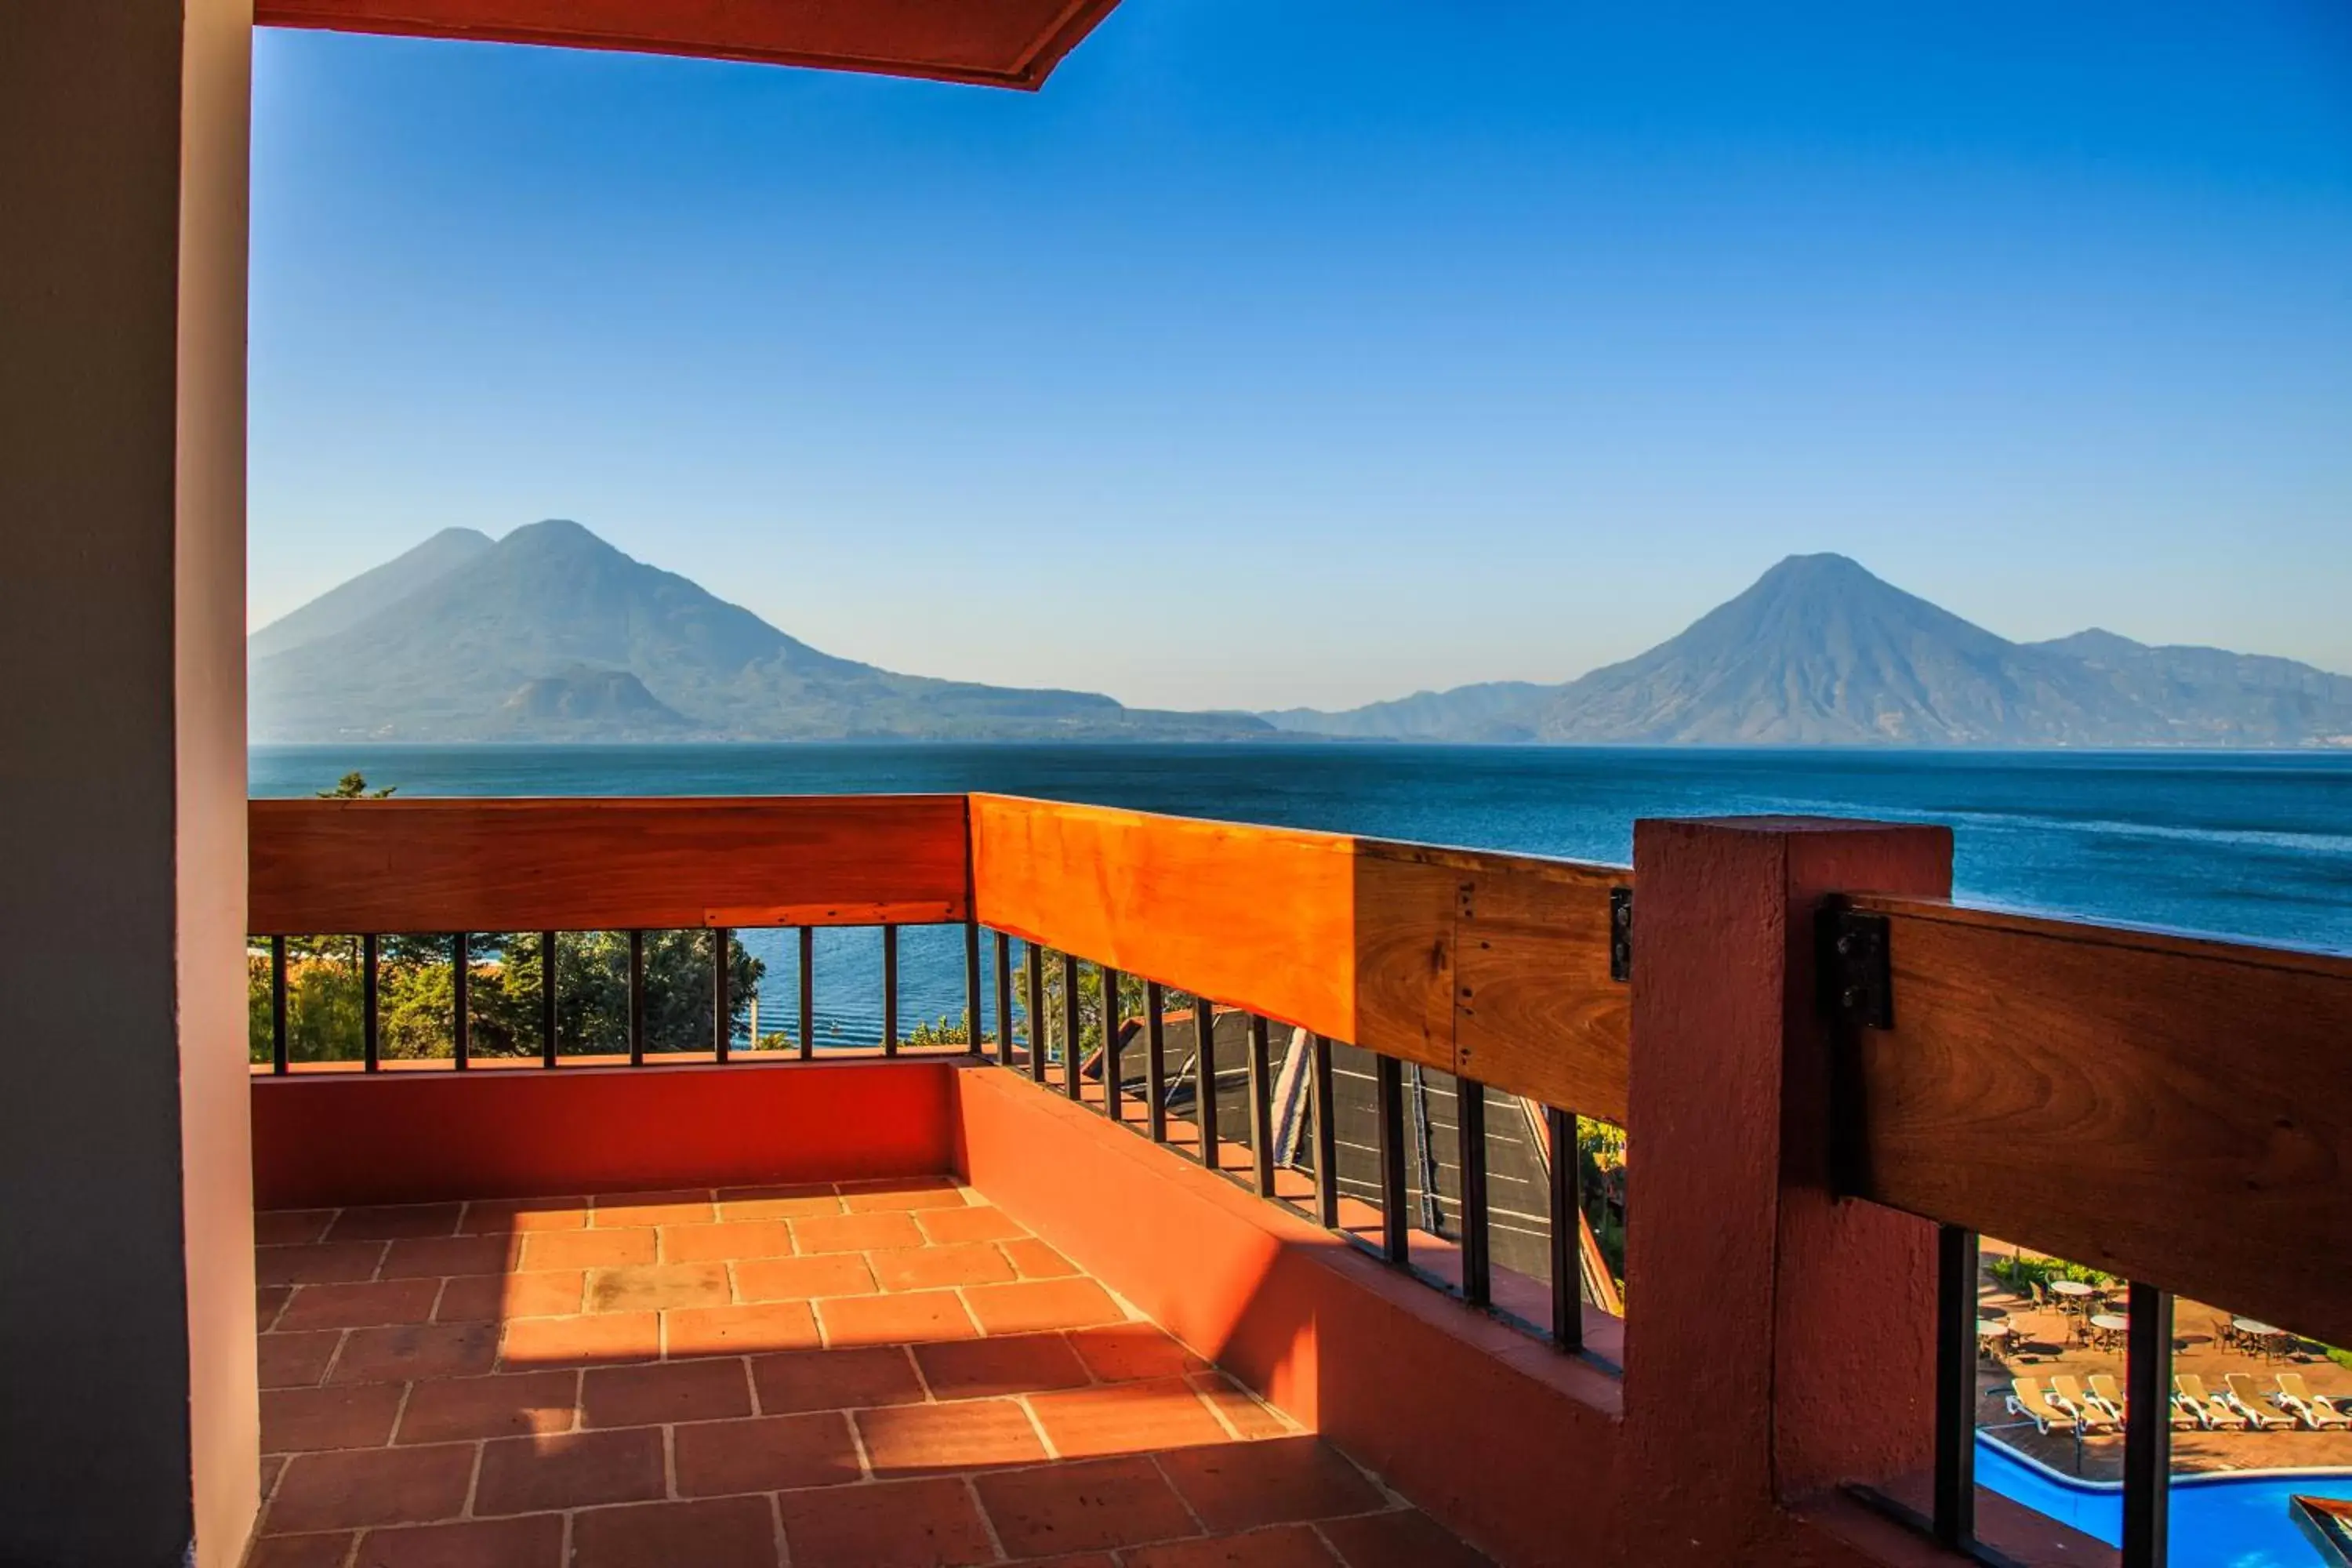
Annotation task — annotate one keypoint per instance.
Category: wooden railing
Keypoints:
(2165, 1109)
(1492, 966)
(2176, 1112)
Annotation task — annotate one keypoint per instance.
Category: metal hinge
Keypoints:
(1620, 933)
(1857, 979)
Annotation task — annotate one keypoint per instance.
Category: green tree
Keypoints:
(417, 995)
(354, 786)
(1133, 999)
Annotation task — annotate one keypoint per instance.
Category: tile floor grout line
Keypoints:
(776, 1524)
(987, 1521)
(1152, 1457)
(857, 1443)
(669, 1463)
(474, 1477)
(1045, 1439)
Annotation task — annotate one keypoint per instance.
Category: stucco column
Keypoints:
(128, 1424)
(1777, 1340)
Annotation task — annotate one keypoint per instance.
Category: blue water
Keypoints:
(2255, 845)
(2217, 1521)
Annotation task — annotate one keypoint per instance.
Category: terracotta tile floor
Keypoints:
(866, 1375)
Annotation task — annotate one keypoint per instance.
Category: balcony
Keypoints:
(1256, 1211)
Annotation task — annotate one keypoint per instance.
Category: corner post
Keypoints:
(1780, 1341)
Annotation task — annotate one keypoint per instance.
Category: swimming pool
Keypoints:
(2218, 1521)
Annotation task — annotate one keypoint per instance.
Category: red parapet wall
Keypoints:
(326, 1140)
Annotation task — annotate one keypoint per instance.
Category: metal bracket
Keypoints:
(1857, 977)
(1620, 933)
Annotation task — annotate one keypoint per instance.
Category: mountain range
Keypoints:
(1820, 652)
(551, 634)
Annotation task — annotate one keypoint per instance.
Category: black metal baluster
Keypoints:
(277, 1005)
(547, 998)
(1003, 1000)
(1073, 1025)
(722, 1006)
(1155, 1061)
(889, 991)
(1567, 1229)
(974, 1038)
(1261, 1107)
(371, 1008)
(461, 988)
(1388, 1082)
(2148, 1431)
(1470, 1130)
(1326, 1141)
(1205, 1078)
(637, 998)
(1036, 978)
(1110, 1042)
(1955, 1519)
(808, 992)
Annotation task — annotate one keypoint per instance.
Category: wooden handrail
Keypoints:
(1495, 966)
(2176, 1110)
(352, 866)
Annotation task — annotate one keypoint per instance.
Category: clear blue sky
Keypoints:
(1322, 350)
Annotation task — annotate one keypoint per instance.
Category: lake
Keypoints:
(2256, 845)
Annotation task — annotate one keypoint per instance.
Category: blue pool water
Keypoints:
(2217, 1521)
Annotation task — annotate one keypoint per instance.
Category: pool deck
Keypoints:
(2053, 1346)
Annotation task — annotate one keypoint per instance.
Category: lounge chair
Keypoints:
(2027, 1399)
(2294, 1397)
(2247, 1401)
(2211, 1412)
(2110, 1399)
(2093, 1414)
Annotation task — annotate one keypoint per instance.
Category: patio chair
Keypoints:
(2294, 1397)
(2026, 1399)
(2089, 1412)
(2247, 1401)
(2211, 1411)
(2108, 1396)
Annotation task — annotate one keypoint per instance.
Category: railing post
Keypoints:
(1205, 1078)
(1073, 1025)
(1003, 1000)
(547, 998)
(1111, 1085)
(1326, 1141)
(1034, 974)
(637, 998)
(1470, 1126)
(889, 991)
(1567, 1229)
(1388, 1105)
(975, 1039)
(722, 1006)
(278, 1063)
(808, 993)
(1745, 1382)
(2147, 1435)
(1155, 1061)
(461, 989)
(371, 1009)
(1954, 1487)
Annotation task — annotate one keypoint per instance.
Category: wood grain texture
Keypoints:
(998, 43)
(1356, 939)
(1252, 917)
(1536, 1010)
(343, 867)
(2173, 1110)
